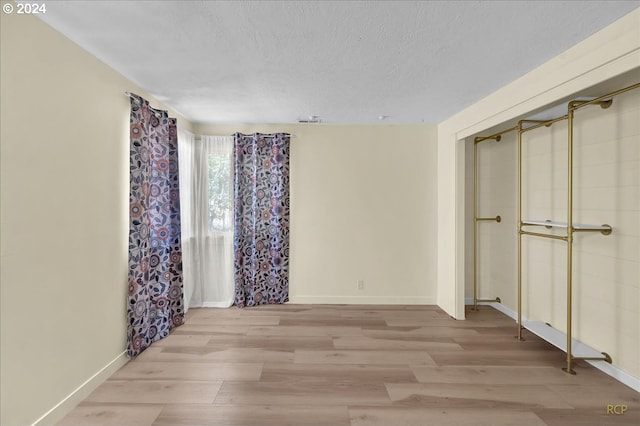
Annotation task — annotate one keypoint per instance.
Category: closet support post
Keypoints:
(519, 208)
(573, 105)
(568, 368)
(604, 101)
(497, 137)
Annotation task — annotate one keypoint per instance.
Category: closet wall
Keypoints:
(606, 190)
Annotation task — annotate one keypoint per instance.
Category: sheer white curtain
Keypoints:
(206, 204)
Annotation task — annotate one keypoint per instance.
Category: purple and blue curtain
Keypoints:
(261, 230)
(155, 301)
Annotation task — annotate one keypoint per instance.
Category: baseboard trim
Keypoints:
(361, 300)
(609, 369)
(61, 409)
(213, 305)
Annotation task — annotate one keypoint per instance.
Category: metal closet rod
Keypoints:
(604, 102)
(497, 137)
(539, 123)
(580, 104)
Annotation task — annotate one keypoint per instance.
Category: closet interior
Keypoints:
(557, 222)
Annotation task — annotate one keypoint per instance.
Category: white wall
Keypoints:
(608, 53)
(64, 219)
(362, 207)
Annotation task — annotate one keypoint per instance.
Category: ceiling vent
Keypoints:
(312, 119)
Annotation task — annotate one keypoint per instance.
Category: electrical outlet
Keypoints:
(360, 284)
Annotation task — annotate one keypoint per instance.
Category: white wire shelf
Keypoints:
(559, 339)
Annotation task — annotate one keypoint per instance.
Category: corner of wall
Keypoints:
(61, 409)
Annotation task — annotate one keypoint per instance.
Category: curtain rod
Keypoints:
(131, 95)
(199, 138)
(134, 96)
(157, 112)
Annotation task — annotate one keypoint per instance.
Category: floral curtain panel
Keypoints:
(155, 302)
(261, 232)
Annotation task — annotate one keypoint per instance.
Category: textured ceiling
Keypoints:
(343, 61)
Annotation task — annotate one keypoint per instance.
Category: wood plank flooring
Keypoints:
(352, 365)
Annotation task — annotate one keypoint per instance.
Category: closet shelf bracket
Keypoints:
(489, 219)
(497, 299)
(605, 357)
(558, 338)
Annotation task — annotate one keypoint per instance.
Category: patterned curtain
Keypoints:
(155, 303)
(261, 231)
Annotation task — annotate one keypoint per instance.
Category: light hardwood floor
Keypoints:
(352, 365)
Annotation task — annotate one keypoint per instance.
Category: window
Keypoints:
(220, 198)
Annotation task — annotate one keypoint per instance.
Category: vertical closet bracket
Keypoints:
(523, 126)
(495, 137)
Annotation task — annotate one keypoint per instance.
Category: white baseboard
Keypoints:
(609, 369)
(361, 300)
(61, 409)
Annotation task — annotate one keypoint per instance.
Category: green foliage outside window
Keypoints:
(220, 193)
